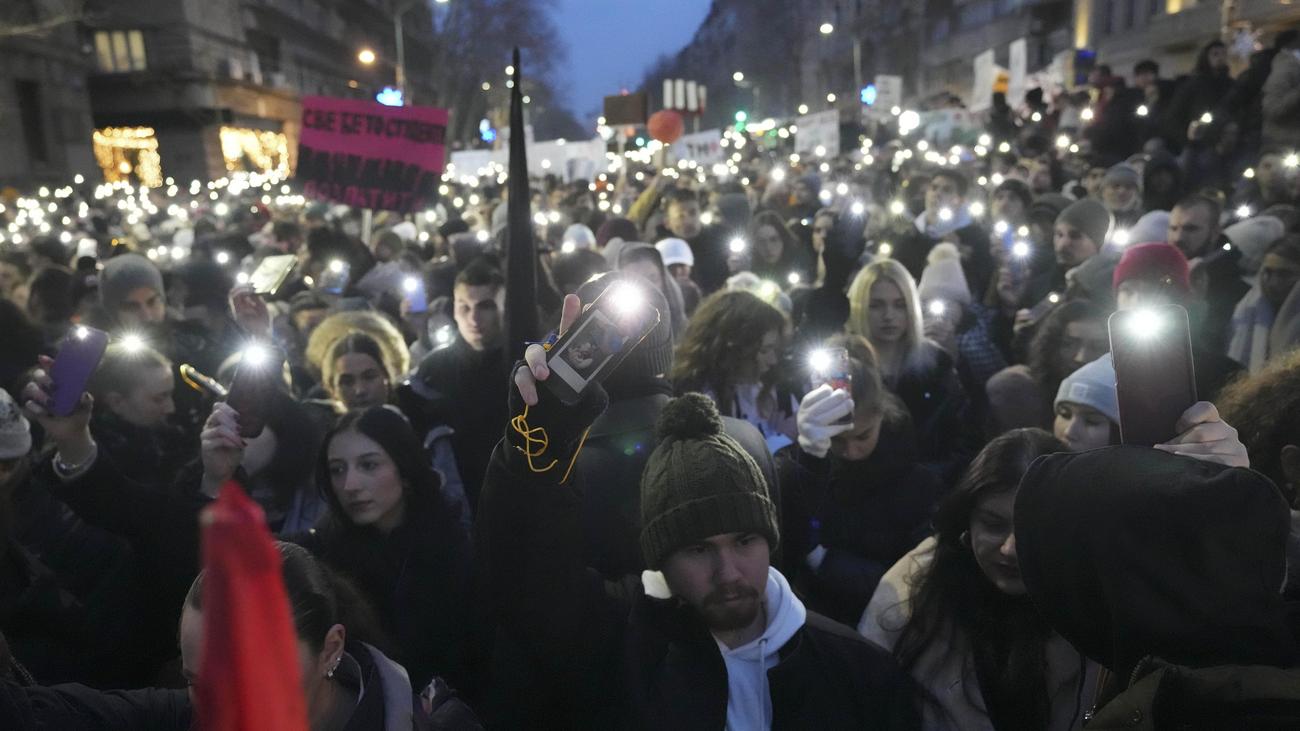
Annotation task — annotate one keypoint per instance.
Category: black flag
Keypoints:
(521, 323)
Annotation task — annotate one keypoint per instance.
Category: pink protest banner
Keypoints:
(369, 155)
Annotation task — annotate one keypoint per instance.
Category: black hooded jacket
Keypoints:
(1151, 563)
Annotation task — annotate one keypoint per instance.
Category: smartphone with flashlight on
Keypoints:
(335, 277)
(78, 357)
(417, 301)
(255, 383)
(830, 366)
(1155, 377)
(604, 334)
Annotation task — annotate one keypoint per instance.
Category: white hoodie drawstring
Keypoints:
(764, 698)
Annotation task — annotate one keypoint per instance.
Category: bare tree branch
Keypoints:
(40, 28)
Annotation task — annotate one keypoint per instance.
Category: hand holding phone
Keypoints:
(831, 367)
(1155, 378)
(70, 434)
(601, 338)
(79, 355)
(256, 377)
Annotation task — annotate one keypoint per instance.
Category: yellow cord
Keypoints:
(537, 441)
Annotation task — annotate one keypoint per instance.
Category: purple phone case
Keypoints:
(76, 362)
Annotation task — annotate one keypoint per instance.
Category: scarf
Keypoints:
(1252, 321)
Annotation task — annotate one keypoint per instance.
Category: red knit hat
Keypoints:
(1154, 262)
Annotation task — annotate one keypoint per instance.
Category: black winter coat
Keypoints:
(602, 655)
(466, 390)
(417, 580)
(867, 515)
(946, 434)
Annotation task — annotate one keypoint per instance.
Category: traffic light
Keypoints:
(741, 119)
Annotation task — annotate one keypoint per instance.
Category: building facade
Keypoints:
(45, 119)
(194, 89)
(1171, 32)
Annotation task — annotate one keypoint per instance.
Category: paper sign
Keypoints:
(889, 92)
(368, 155)
(704, 148)
(818, 130)
(1019, 72)
(985, 77)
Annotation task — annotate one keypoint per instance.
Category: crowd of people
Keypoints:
(949, 535)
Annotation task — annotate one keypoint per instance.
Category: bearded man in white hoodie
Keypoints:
(711, 637)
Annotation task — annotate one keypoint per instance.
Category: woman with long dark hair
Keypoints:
(730, 353)
(955, 613)
(390, 531)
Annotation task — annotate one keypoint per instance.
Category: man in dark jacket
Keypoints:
(1118, 554)
(460, 385)
(946, 218)
(1216, 276)
(716, 637)
(621, 440)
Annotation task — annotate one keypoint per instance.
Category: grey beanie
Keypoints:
(1123, 174)
(125, 273)
(1090, 217)
(1092, 385)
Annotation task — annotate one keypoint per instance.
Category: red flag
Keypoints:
(249, 676)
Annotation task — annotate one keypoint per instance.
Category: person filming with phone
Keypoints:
(713, 635)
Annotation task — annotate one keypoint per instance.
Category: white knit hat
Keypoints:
(1092, 385)
(943, 278)
(676, 251)
(579, 236)
(1253, 236)
(15, 432)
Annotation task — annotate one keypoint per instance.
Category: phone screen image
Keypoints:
(1155, 377)
(604, 334)
(588, 350)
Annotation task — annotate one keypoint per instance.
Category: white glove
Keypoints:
(818, 412)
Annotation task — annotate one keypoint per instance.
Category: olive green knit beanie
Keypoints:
(699, 483)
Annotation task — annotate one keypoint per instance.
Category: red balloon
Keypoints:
(666, 126)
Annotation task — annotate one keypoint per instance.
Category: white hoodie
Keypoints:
(749, 702)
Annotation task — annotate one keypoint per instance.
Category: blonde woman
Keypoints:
(884, 308)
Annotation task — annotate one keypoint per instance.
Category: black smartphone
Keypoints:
(256, 377)
(335, 278)
(78, 357)
(272, 273)
(608, 329)
(1155, 377)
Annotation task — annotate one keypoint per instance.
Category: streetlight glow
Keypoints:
(738, 76)
(366, 56)
(827, 29)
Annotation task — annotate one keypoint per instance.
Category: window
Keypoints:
(120, 51)
(267, 49)
(33, 119)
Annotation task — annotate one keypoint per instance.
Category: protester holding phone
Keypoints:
(1151, 275)
(959, 324)
(854, 497)
(593, 654)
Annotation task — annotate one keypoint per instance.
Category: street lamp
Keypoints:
(827, 29)
(738, 77)
(366, 56)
